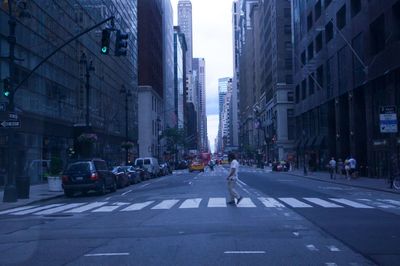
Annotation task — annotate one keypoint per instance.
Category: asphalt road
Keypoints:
(183, 219)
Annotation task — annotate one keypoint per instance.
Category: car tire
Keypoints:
(114, 186)
(68, 193)
(102, 190)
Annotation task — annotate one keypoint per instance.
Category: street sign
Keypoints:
(11, 123)
(3, 107)
(388, 119)
(13, 116)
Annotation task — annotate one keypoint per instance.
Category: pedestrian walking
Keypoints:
(332, 168)
(353, 167)
(347, 168)
(340, 167)
(232, 179)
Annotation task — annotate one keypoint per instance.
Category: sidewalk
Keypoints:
(379, 184)
(37, 193)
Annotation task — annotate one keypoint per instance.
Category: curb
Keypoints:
(350, 185)
(33, 202)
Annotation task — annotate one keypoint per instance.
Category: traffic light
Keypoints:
(105, 41)
(6, 87)
(121, 43)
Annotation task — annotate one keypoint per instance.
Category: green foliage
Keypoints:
(56, 166)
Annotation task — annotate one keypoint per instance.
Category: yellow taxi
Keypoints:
(196, 166)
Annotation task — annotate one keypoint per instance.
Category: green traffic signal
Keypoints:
(6, 87)
(105, 41)
(104, 49)
(6, 93)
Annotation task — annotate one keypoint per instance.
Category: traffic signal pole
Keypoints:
(10, 190)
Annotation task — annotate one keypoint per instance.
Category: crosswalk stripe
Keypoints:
(378, 204)
(395, 202)
(17, 209)
(246, 203)
(295, 203)
(271, 203)
(59, 209)
(165, 204)
(29, 211)
(137, 206)
(190, 203)
(323, 203)
(216, 202)
(106, 208)
(352, 203)
(87, 207)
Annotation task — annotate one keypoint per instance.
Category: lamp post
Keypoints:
(128, 94)
(88, 68)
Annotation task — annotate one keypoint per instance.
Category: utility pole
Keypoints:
(128, 94)
(88, 68)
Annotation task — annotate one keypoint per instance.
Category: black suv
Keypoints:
(86, 175)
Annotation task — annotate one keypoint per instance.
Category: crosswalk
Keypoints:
(197, 203)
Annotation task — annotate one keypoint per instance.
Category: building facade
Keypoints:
(346, 69)
(52, 104)
(180, 49)
(185, 24)
(199, 71)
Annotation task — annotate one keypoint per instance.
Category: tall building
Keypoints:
(346, 71)
(180, 49)
(185, 24)
(53, 102)
(265, 79)
(168, 64)
(199, 67)
(225, 105)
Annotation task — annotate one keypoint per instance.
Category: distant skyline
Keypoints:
(212, 40)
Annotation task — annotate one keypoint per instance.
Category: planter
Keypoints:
(55, 184)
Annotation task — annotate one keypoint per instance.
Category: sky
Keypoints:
(212, 40)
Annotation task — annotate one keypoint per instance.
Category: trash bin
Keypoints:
(23, 185)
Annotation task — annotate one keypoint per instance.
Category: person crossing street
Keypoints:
(232, 179)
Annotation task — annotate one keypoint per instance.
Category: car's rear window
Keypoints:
(139, 163)
(82, 166)
(146, 161)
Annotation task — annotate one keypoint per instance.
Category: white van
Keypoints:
(150, 163)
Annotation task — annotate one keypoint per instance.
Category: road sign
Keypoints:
(13, 116)
(388, 119)
(11, 123)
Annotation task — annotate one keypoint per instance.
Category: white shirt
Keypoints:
(235, 165)
(352, 163)
(332, 163)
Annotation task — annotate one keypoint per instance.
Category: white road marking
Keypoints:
(216, 202)
(36, 209)
(123, 194)
(311, 248)
(165, 204)
(330, 264)
(87, 207)
(296, 233)
(352, 203)
(142, 186)
(107, 254)
(244, 252)
(18, 209)
(271, 203)
(333, 248)
(295, 203)
(106, 209)
(378, 204)
(246, 203)
(59, 209)
(190, 203)
(395, 202)
(323, 203)
(190, 182)
(138, 206)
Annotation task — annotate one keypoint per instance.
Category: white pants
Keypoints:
(232, 191)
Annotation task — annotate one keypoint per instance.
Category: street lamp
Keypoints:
(88, 68)
(128, 94)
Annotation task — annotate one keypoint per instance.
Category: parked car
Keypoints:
(150, 163)
(143, 173)
(196, 166)
(122, 176)
(133, 174)
(165, 169)
(182, 164)
(87, 175)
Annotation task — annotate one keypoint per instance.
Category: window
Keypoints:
(286, 12)
(377, 35)
(309, 21)
(310, 51)
(291, 122)
(320, 77)
(303, 89)
(327, 3)
(288, 29)
(318, 42)
(329, 76)
(288, 63)
(317, 10)
(289, 79)
(311, 85)
(396, 18)
(341, 17)
(297, 94)
(355, 7)
(290, 97)
(303, 58)
(343, 69)
(358, 70)
(328, 32)
(288, 46)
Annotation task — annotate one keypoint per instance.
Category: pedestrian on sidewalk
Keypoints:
(340, 167)
(332, 168)
(232, 179)
(347, 168)
(353, 167)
